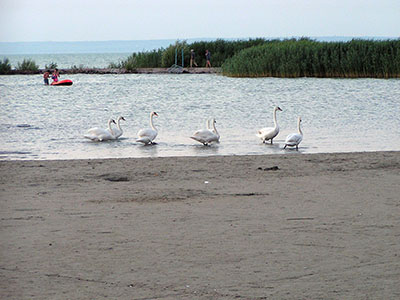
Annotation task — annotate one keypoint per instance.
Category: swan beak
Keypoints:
(279, 108)
(123, 118)
(114, 121)
(155, 114)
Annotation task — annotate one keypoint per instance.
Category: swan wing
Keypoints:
(146, 135)
(199, 139)
(205, 136)
(293, 139)
(117, 132)
(106, 136)
(92, 137)
(95, 131)
(268, 133)
(98, 134)
(213, 138)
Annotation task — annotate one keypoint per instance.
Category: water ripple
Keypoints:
(339, 115)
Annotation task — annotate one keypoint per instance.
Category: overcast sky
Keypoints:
(101, 20)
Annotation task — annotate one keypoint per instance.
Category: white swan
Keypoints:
(294, 139)
(269, 133)
(118, 131)
(99, 134)
(146, 136)
(207, 136)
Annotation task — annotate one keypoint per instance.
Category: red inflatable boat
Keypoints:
(62, 82)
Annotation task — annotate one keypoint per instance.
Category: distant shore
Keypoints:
(121, 71)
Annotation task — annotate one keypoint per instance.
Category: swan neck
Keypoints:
(215, 129)
(151, 122)
(298, 127)
(275, 122)
(118, 125)
(109, 124)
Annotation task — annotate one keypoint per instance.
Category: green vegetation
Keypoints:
(164, 58)
(220, 50)
(77, 69)
(51, 66)
(150, 59)
(5, 66)
(281, 58)
(264, 58)
(27, 65)
(308, 58)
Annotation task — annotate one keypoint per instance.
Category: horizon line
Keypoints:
(211, 38)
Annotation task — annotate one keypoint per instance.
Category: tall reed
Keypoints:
(28, 65)
(220, 51)
(5, 66)
(309, 58)
(148, 59)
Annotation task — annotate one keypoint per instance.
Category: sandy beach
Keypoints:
(293, 226)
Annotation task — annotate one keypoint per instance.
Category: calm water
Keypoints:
(339, 115)
(67, 61)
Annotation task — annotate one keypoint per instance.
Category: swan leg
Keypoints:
(297, 147)
(284, 146)
(271, 141)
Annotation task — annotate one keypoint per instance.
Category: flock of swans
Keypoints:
(206, 136)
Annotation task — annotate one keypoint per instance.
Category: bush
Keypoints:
(115, 65)
(52, 65)
(27, 65)
(78, 68)
(5, 66)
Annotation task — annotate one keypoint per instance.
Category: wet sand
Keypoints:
(293, 226)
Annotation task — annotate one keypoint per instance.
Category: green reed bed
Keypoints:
(308, 58)
(148, 59)
(27, 65)
(164, 58)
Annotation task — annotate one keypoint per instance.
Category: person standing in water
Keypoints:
(46, 77)
(55, 75)
(208, 58)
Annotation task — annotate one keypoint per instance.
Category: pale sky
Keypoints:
(102, 20)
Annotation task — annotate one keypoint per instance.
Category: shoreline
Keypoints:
(285, 226)
(102, 71)
(198, 156)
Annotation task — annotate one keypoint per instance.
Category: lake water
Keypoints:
(339, 115)
(68, 61)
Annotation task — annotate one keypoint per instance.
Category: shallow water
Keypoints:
(339, 115)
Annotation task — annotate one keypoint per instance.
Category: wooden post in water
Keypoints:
(176, 56)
